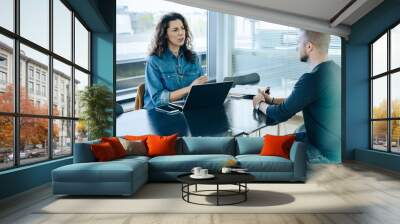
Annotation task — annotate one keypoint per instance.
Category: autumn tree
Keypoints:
(33, 131)
(380, 127)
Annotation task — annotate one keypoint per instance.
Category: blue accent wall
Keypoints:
(24, 178)
(357, 83)
(103, 61)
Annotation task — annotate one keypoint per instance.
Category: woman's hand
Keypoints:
(199, 81)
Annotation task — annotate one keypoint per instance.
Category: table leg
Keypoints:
(245, 193)
(217, 194)
(196, 188)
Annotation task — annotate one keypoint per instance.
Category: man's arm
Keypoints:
(277, 101)
(302, 95)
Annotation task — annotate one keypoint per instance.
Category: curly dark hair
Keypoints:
(160, 42)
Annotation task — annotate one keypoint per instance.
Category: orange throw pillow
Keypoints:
(103, 152)
(277, 145)
(161, 145)
(116, 145)
(136, 137)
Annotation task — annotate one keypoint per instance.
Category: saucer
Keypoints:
(208, 176)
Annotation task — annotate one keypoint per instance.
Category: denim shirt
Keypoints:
(166, 74)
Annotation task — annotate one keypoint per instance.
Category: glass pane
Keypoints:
(136, 22)
(270, 50)
(395, 47)
(81, 131)
(81, 45)
(379, 98)
(395, 138)
(395, 95)
(6, 142)
(35, 21)
(379, 135)
(81, 81)
(62, 89)
(33, 139)
(379, 56)
(62, 138)
(6, 74)
(7, 14)
(62, 29)
(34, 92)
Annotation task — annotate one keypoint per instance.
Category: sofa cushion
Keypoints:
(277, 145)
(112, 171)
(185, 163)
(134, 147)
(103, 152)
(208, 145)
(249, 145)
(161, 145)
(116, 145)
(257, 163)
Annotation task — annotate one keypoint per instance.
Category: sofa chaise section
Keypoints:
(87, 177)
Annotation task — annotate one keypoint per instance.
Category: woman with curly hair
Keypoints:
(172, 67)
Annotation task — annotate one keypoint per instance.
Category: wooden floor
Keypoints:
(378, 188)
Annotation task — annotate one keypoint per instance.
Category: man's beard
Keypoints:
(304, 58)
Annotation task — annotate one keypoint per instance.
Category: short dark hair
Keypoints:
(320, 40)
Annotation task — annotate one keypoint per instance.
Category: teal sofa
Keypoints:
(125, 176)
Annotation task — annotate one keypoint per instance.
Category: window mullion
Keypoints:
(16, 84)
(73, 82)
(50, 81)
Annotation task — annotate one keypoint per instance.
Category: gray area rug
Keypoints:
(166, 198)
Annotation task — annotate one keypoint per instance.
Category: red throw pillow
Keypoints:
(277, 145)
(103, 152)
(116, 145)
(161, 145)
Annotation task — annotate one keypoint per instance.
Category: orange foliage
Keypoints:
(33, 130)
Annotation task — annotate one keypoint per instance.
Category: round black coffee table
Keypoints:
(238, 179)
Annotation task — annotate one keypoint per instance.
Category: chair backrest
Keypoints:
(139, 100)
(251, 78)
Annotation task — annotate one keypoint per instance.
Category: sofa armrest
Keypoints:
(83, 152)
(298, 157)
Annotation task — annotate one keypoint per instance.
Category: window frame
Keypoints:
(16, 114)
(388, 74)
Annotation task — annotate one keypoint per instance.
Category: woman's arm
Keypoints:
(180, 93)
(158, 94)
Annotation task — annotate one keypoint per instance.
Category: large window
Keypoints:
(269, 50)
(385, 94)
(40, 81)
(136, 22)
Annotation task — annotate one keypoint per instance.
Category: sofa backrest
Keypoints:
(249, 145)
(206, 145)
(83, 152)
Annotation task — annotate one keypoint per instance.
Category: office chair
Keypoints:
(139, 100)
(251, 78)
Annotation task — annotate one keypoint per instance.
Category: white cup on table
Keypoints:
(203, 172)
(196, 171)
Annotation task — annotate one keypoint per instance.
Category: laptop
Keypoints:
(203, 96)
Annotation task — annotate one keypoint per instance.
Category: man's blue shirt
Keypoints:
(166, 74)
(318, 95)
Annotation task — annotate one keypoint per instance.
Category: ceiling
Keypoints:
(331, 16)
